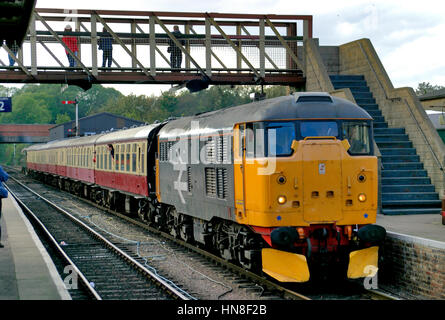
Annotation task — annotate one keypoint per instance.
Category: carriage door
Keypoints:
(239, 152)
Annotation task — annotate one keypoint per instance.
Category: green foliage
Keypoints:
(140, 108)
(34, 104)
(62, 118)
(426, 87)
(7, 154)
(43, 103)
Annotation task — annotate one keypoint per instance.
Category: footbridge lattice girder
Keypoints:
(219, 48)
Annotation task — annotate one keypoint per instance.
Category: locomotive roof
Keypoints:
(315, 106)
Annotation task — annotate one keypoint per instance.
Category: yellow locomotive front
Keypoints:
(309, 187)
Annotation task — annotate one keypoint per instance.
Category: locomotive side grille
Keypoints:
(223, 149)
(169, 149)
(210, 180)
(163, 151)
(221, 175)
(211, 151)
(189, 179)
(216, 182)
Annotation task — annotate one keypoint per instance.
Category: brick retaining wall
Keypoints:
(414, 266)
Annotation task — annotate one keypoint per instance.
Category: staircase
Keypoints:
(406, 187)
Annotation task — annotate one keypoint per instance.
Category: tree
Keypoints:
(62, 118)
(426, 87)
(51, 96)
(141, 108)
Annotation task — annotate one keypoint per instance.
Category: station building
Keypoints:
(93, 124)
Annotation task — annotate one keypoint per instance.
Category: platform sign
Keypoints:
(5, 104)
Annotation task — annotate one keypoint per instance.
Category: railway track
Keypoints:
(248, 279)
(104, 270)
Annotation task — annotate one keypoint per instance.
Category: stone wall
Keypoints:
(317, 78)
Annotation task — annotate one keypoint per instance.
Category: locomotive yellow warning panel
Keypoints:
(285, 266)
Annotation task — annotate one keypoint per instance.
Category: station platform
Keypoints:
(26, 270)
(427, 226)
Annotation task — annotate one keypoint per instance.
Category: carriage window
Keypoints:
(106, 155)
(133, 159)
(357, 134)
(319, 129)
(142, 158)
(279, 137)
(122, 161)
(101, 159)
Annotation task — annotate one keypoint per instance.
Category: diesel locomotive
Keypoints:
(287, 186)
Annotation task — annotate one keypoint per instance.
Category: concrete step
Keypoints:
(406, 211)
(375, 113)
(408, 188)
(411, 204)
(359, 89)
(394, 144)
(405, 181)
(398, 151)
(403, 166)
(390, 137)
(369, 106)
(389, 131)
(380, 124)
(409, 196)
(346, 77)
(340, 84)
(362, 95)
(379, 118)
(400, 158)
(365, 101)
(403, 173)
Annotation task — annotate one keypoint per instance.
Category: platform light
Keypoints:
(362, 197)
(282, 199)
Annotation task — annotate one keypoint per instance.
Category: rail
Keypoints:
(174, 292)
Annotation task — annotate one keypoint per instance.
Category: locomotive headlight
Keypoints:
(281, 199)
(362, 197)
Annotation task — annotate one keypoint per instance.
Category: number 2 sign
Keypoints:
(5, 105)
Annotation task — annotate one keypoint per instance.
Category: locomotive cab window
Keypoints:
(268, 139)
(357, 134)
(255, 140)
(279, 136)
(319, 129)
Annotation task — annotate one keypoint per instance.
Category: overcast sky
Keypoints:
(409, 36)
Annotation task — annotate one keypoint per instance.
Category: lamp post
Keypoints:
(77, 113)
